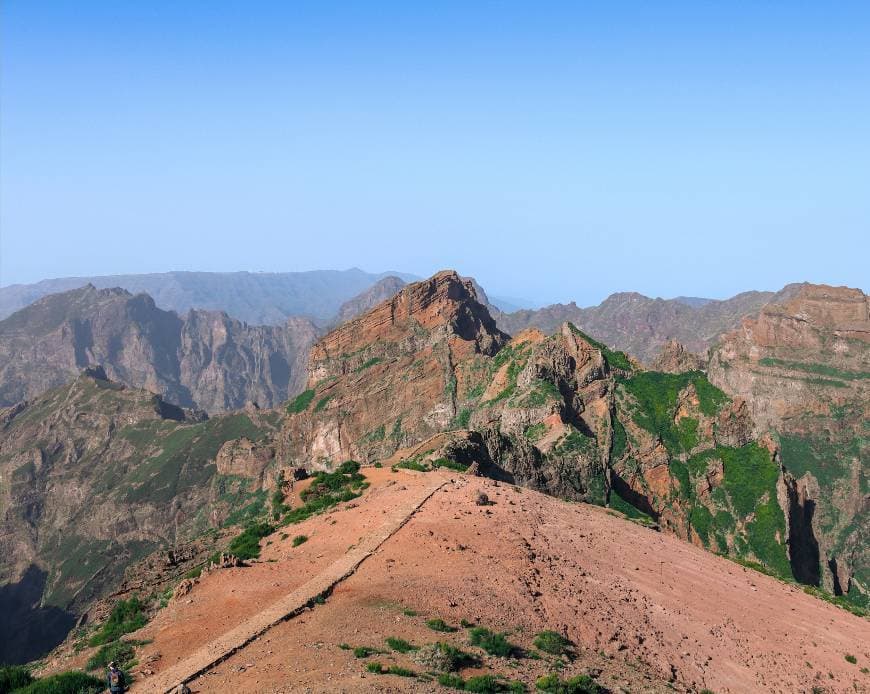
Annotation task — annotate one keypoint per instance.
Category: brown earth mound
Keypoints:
(645, 611)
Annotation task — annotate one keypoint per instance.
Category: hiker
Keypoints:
(115, 679)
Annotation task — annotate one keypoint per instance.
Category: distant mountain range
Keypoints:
(258, 298)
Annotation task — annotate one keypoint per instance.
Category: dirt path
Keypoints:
(222, 647)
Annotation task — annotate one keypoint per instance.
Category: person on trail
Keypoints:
(115, 679)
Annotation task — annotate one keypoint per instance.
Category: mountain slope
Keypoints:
(204, 359)
(94, 475)
(426, 379)
(641, 326)
(803, 367)
(258, 298)
(643, 610)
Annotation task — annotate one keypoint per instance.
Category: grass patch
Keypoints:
(819, 369)
(367, 364)
(449, 465)
(535, 432)
(328, 489)
(851, 659)
(580, 684)
(126, 616)
(247, 544)
(322, 403)
(301, 402)
(299, 539)
(122, 652)
(493, 643)
(14, 677)
(365, 651)
(65, 683)
(439, 624)
(552, 642)
(400, 645)
(656, 396)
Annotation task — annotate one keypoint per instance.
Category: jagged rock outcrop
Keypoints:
(802, 366)
(387, 378)
(674, 358)
(204, 359)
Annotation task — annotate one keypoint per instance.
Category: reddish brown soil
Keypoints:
(645, 608)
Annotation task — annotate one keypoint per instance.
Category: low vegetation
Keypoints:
(301, 402)
(494, 643)
(64, 683)
(14, 677)
(328, 489)
(400, 645)
(552, 642)
(247, 544)
(581, 684)
(438, 624)
(299, 539)
(126, 616)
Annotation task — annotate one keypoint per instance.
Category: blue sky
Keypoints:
(555, 151)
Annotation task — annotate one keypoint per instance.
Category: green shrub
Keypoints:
(409, 612)
(580, 684)
(126, 616)
(449, 679)
(483, 684)
(552, 642)
(194, 573)
(449, 465)
(64, 683)
(400, 671)
(400, 645)
(13, 677)
(321, 404)
(465, 624)
(851, 659)
(375, 666)
(299, 539)
(301, 402)
(492, 642)
(247, 544)
(344, 646)
(364, 651)
(122, 652)
(439, 624)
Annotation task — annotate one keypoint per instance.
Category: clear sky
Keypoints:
(553, 150)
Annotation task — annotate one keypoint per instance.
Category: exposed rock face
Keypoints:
(205, 359)
(94, 475)
(562, 414)
(387, 378)
(803, 368)
(674, 359)
(642, 326)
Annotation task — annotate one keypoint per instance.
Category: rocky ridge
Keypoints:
(803, 368)
(203, 359)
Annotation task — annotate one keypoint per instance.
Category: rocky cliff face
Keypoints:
(641, 326)
(388, 377)
(803, 367)
(204, 359)
(94, 475)
(426, 377)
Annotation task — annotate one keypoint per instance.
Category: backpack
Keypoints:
(115, 678)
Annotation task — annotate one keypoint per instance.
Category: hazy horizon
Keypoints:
(555, 152)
